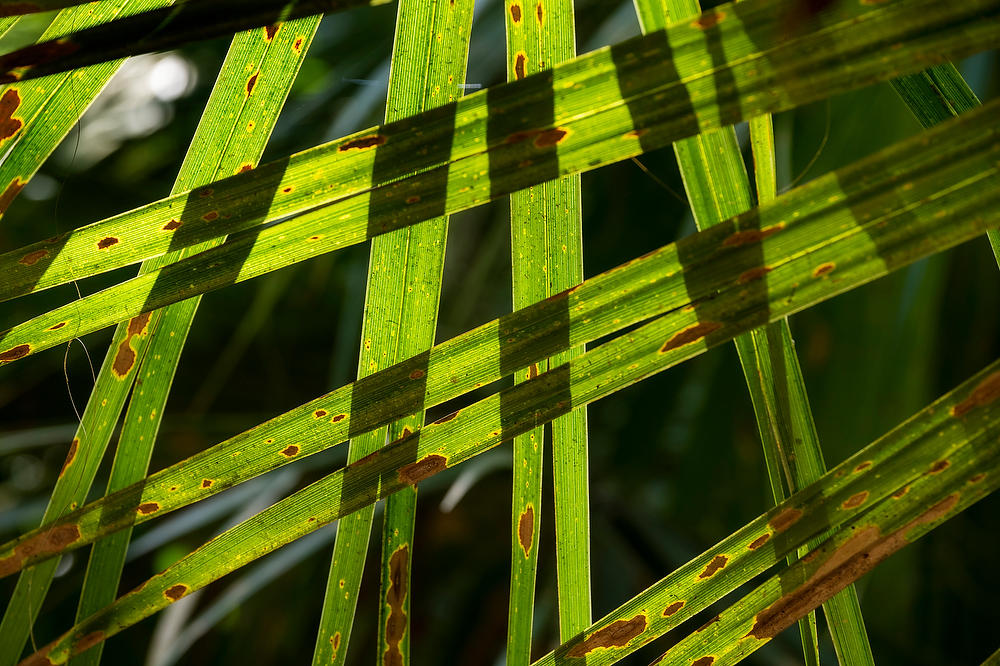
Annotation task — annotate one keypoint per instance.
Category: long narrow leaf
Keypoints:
(837, 232)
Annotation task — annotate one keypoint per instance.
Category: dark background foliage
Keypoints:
(675, 461)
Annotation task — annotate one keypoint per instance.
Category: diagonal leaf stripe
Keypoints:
(921, 446)
(944, 448)
(657, 107)
(837, 232)
(157, 30)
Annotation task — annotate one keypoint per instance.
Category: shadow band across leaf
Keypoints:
(326, 190)
(927, 450)
(833, 234)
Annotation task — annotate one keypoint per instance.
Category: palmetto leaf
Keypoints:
(485, 146)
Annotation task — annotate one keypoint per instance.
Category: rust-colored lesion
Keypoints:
(362, 143)
(520, 65)
(856, 556)
(88, 641)
(709, 19)
(863, 466)
(618, 634)
(418, 374)
(759, 541)
(976, 478)
(319, 413)
(707, 660)
(172, 225)
(422, 469)
(395, 599)
(297, 45)
(206, 483)
(210, 216)
(824, 268)
(690, 335)
(526, 529)
(338, 418)
(290, 451)
(785, 519)
(106, 242)
(938, 467)
(539, 13)
(10, 193)
(70, 456)
(748, 236)
(33, 258)
(175, 592)
(672, 609)
(14, 353)
(515, 12)
(251, 82)
(49, 542)
(985, 392)
(718, 562)
(901, 492)
(9, 125)
(125, 357)
(856, 500)
(56, 327)
(551, 137)
(270, 31)
(147, 508)
(335, 642)
(754, 274)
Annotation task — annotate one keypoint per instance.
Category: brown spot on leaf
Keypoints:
(125, 356)
(617, 634)
(636, 133)
(206, 483)
(9, 125)
(15, 353)
(550, 137)
(976, 478)
(902, 491)
(10, 193)
(395, 598)
(50, 541)
(526, 529)
(418, 374)
(689, 335)
(106, 242)
(210, 215)
(172, 224)
(539, 13)
(863, 466)
(251, 82)
(703, 661)
(88, 641)
(854, 501)
(754, 274)
(515, 13)
(335, 642)
(986, 392)
(175, 592)
(824, 268)
(759, 541)
(709, 19)
(319, 413)
(56, 326)
(297, 46)
(852, 559)
(244, 168)
(363, 142)
(520, 65)
(270, 31)
(938, 467)
(413, 199)
(751, 235)
(718, 562)
(290, 451)
(673, 608)
(785, 519)
(32, 258)
(338, 418)
(148, 508)
(422, 469)
(70, 456)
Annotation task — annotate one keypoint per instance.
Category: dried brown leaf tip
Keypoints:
(616, 635)
(526, 529)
